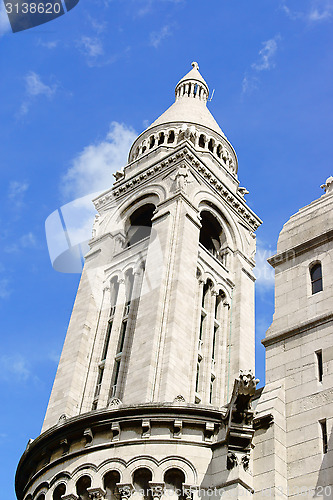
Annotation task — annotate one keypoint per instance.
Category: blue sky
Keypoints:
(74, 94)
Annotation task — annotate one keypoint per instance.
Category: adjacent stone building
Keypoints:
(152, 396)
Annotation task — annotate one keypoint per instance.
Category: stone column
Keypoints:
(112, 351)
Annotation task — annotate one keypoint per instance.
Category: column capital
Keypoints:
(157, 490)
(96, 493)
(125, 490)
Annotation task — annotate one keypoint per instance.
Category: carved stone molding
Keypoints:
(242, 210)
(157, 490)
(125, 490)
(146, 428)
(115, 431)
(209, 431)
(177, 428)
(88, 436)
(96, 493)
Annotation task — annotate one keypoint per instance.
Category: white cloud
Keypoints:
(91, 47)
(26, 241)
(14, 366)
(16, 192)
(52, 44)
(249, 84)
(266, 54)
(265, 62)
(156, 37)
(92, 168)
(263, 271)
(4, 288)
(4, 21)
(35, 87)
(318, 11)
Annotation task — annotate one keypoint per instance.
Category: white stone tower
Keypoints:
(145, 402)
(294, 455)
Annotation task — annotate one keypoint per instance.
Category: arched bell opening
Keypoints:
(211, 233)
(140, 224)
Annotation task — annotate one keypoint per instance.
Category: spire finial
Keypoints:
(195, 65)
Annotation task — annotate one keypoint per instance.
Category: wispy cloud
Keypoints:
(156, 37)
(265, 62)
(4, 21)
(14, 366)
(34, 87)
(52, 44)
(317, 11)
(91, 48)
(5, 290)
(26, 241)
(266, 55)
(16, 192)
(92, 168)
(146, 6)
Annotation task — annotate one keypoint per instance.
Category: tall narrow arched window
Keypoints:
(174, 480)
(141, 479)
(210, 233)
(140, 224)
(59, 491)
(110, 485)
(316, 278)
(82, 486)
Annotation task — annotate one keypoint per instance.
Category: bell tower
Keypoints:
(162, 324)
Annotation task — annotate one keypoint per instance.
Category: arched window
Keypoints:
(174, 480)
(110, 485)
(41, 497)
(141, 478)
(210, 233)
(59, 491)
(202, 141)
(171, 137)
(161, 138)
(82, 486)
(151, 141)
(219, 151)
(140, 224)
(316, 278)
(211, 145)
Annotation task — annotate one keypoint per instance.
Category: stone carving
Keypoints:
(114, 403)
(245, 462)
(242, 191)
(62, 419)
(88, 436)
(231, 461)
(64, 443)
(177, 428)
(239, 429)
(125, 491)
(179, 399)
(146, 428)
(209, 431)
(156, 489)
(247, 383)
(115, 431)
(118, 175)
(328, 186)
(96, 493)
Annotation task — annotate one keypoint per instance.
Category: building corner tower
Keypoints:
(148, 400)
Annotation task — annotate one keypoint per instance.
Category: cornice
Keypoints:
(234, 202)
(296, 330)
(306, 246)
